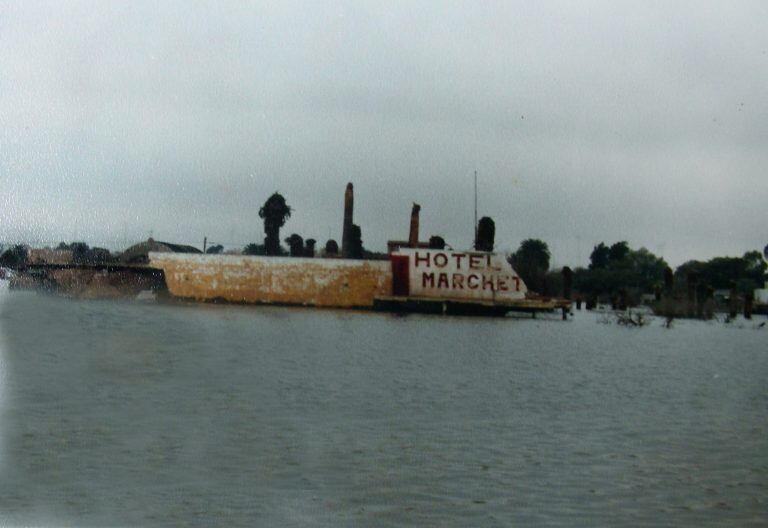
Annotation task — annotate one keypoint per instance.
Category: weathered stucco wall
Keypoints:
(281, 280)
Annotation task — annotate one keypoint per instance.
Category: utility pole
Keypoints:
(205, 242)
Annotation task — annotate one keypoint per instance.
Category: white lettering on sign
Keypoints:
(461, 275)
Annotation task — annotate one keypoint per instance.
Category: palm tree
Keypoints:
(274, 212)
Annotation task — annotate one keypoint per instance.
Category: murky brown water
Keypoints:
(146, 415)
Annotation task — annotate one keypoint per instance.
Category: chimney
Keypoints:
(349, 200)
(413, 236)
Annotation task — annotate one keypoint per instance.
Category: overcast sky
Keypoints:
(586, 121)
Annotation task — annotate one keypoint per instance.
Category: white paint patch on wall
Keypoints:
(462, 275)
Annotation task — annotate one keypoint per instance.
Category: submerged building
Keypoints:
(416, 277)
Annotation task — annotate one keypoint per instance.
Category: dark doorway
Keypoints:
(400, 275)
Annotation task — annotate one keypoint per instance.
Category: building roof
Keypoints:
(139, 253)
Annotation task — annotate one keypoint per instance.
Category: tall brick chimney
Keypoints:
(413, 234)
(349, 203)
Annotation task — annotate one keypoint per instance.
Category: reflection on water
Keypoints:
(150, 415)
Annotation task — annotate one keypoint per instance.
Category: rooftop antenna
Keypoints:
(475, 241)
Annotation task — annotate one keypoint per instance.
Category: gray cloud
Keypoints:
(586, 121)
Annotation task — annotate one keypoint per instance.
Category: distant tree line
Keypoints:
(14, 257)
(744, 274)
(618, 271)
(18, 256)
(83, 254)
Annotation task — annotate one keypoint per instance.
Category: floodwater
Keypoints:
(126, 414)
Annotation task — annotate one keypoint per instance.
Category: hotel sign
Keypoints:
(457, 274)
